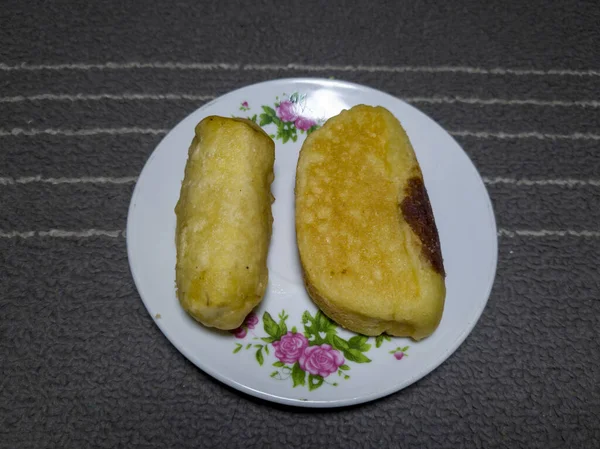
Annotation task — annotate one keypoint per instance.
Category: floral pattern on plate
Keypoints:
(288, 115)
(307, 357)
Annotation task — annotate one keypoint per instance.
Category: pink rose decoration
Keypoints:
(321, 360)
(290, 347)
(304, 123)
(398, 355)
(251, 320)
(286, 111)
(240, 332)
(245, 104)
(249, 323)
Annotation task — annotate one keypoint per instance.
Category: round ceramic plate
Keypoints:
(261, 358)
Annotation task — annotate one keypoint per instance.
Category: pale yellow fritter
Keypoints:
(366, 234)
(224, 221)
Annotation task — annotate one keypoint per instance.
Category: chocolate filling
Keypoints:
(417, 212)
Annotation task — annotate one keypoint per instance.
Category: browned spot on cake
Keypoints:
(417, 212)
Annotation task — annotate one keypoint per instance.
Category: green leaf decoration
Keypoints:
(321, 321)
(277, 121)
(294, 97)
(282, 326)
(265, 119)
(324, 324)
(271, 326)
(294, 138)
(346, 377)
(309, 325)
(249, 345)
(298, 375)
(357, 341)
(285, 138)
(274, 373)
(345, 367)
(268, 339)
(404, 349)
(311, 329)
(306, 317)
(278, 364)
(339, 343)
(314, 382)
(259, 357)
(354, 355)
(315, 326)
(269, 111)
(379, 341)
(294, 330)
(237, 349)
(329, 339)
(267, 349)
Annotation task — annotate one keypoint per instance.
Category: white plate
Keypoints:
(462, 210)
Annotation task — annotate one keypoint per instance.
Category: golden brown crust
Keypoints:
(363, 262)
(356, 322)
(416, 210)
(224, 221)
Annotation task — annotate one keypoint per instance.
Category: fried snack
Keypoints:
(224, 221)
(366, 234)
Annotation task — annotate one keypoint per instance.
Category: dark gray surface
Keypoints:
(81, 362)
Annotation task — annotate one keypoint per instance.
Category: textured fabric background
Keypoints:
(81, 362)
